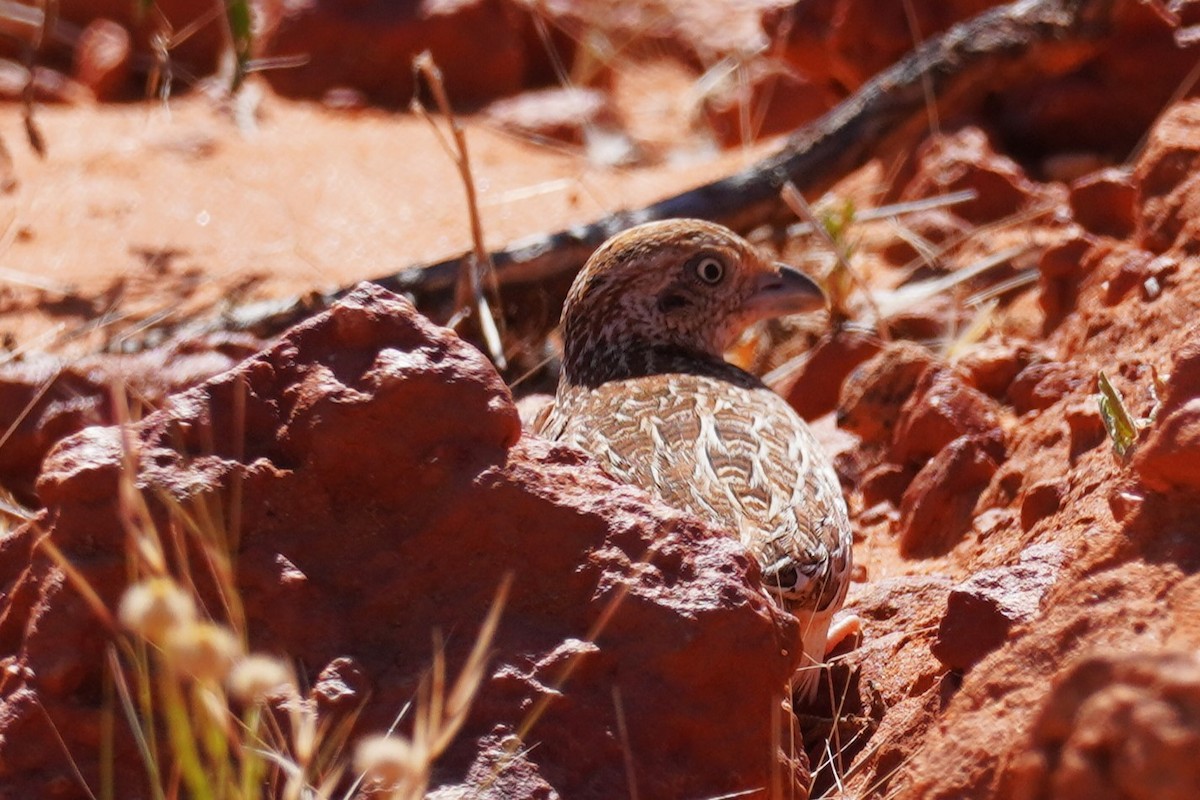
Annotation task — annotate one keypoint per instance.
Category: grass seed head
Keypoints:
(391, 762)
(153, 608)
(257, 678)
(203, 650)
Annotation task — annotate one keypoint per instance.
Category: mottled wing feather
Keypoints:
(736, 455)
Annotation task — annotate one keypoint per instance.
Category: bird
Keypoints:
(644, 388)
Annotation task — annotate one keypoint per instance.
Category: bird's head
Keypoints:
(683, 288)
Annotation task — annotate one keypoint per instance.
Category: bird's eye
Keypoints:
(709, 269)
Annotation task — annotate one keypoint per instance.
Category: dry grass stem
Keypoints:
(479, 267)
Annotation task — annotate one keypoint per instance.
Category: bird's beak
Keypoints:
(781, 291)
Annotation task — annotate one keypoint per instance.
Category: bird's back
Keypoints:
(727, 449)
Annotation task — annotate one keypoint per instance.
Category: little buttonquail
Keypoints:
(646, 390)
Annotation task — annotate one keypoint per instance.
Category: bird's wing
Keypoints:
(737, 456)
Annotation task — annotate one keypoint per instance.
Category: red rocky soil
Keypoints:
(1029, 599)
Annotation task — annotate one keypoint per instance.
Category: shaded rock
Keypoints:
(45, 399)
(1169, 457)
(103, 57)
(930, 319)
(1168, 180)
(992, 366)
(1042, 384)
(385, 492)
(1118, 726)
(847, 41)
(876, 390)
(936, 507)
(885, 483)
(1138, 270)
(1104, 202)
(1085, 425)
(1042, 500)
(1183, 384)
(1117, 91)
(966, 160)
(369, 46)
(1061, 267)
(941, 409)
(981, 610)
(817, 382)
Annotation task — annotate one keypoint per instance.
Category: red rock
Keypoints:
(484, 48)
(1118, 725)
(43, 399)
(1104, 202)
(981, 610)
(1102, 99)
(885, 483)
(941, 409)
(1169, 457)
(102, 58)
(965, 160)
(385, 493)
(930, 319)
(992, 366)
(936, 508)
(872, 396)
(1041, 385)
(848, 41)
(564, 114)
(1060, 270)
(817, 381)
(1167, 178)
(1183, 384)
(197, 54)
(1086, 426)
(1042, 500)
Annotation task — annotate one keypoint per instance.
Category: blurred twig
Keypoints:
(478, 266)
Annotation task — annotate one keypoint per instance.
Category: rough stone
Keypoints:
(1104, 202)
(965, 160)
(369, 46)
(383, 477)
(1118, 726)
(936, 507)
(1166, 179)
(1169, 457)
(982, 610)
(815, 386)
(873, 395)
(45, 399)
(1044, 383)
(941, 409)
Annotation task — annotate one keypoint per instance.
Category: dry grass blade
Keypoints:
(906, 297)
(470, 283)
(626, 749)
